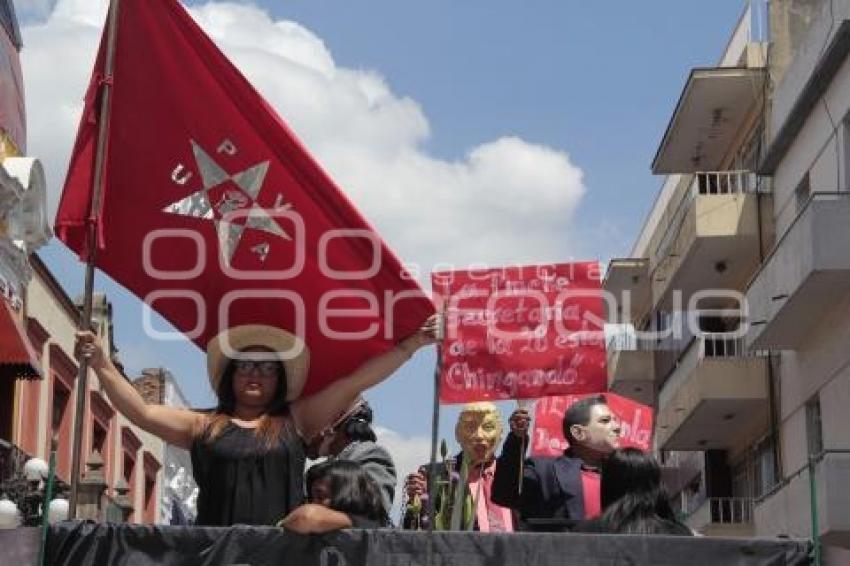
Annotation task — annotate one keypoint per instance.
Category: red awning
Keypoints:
(17, 356)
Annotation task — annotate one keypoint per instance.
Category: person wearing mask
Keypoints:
(478, 431)
(351, 438)
(553, 493)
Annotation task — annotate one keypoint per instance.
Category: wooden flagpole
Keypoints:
(92, 225)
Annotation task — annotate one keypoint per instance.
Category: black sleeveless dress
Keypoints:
(241, 481)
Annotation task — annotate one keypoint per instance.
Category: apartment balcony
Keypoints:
(723, 517)
(711, 240)
(788, 509)
(713, 109)
(627, 283)
(807, 273)
(630, 366)
(715, 398)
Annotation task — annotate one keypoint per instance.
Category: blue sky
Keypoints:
(589, 84)
(598, 80)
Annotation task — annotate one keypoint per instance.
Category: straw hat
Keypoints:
(284, 347)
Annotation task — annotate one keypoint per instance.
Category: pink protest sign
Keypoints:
(521, 332)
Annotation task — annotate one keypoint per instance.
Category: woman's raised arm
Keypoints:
(175, 426)
(314, 413)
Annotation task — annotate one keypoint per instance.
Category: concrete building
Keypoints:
(738, 283)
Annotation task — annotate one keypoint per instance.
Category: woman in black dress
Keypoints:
(247, 455)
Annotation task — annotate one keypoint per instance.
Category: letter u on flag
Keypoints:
(215, 215)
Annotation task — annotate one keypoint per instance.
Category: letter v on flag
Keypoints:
(213, 212)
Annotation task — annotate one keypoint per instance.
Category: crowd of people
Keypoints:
(250, 453)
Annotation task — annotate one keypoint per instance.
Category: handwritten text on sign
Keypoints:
(521, 332)
(548, 435)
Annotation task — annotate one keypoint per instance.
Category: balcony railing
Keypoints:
(724, 182)
(707, 183)
(722, 345)
(731, 510)
(725, 510)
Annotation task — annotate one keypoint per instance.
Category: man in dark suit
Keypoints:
(555, 492)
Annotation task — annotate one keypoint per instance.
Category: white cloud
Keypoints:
(507, 200)
(409, 452)
(84, 12)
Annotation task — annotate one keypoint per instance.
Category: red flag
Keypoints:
(521, 332)
(216, 215)
(548, 435)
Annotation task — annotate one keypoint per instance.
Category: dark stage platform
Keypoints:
(138, 545)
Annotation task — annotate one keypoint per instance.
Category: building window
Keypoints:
(60, 406)
(150, 499)
(98, 440)
(814, 428)
(150, 495)
(129, 465)
(7, 407)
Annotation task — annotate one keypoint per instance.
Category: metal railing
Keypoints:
(705, 183)
(731, 510)
(724, 182)
(721, 345)
(724, 510)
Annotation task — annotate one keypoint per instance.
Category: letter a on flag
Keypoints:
(215, 215)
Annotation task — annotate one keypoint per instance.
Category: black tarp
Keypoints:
(139, 545)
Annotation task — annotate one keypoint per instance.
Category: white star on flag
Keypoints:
(232, 205)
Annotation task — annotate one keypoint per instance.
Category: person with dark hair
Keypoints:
(248, 454)
(346, 495)
(552, 493)
(351, 437)
(633, 499)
